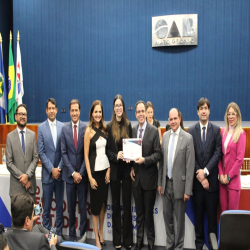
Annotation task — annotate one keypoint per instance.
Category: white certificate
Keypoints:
(132, 149)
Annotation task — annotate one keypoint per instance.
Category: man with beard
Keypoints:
(22, 156)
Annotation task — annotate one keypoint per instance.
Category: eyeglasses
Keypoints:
(231, 114)
(140, 111)
(22, 114)
(118, 106)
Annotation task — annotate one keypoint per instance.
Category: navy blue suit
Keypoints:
(73, 160)
(206, 200)
(51, 157)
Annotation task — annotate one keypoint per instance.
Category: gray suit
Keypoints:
(26, 240)
(18, 163)
(173, 190)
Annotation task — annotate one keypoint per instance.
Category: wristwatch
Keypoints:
(205, 175)
(228, 177)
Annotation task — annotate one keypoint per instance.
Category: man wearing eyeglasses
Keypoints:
(21, 156)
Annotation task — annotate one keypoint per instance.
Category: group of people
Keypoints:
(203, 161)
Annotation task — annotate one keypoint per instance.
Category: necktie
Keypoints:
(23, 144)
(140, 135)
(75, 136)
(203, 137)
(54, 133)
(170, 159)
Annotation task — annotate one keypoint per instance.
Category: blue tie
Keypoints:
(203, 137)
(23, 144)
(170, 159)
(53, 133)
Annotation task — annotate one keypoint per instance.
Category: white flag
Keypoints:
(19, 76)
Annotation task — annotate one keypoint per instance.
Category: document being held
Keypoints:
(132, 149)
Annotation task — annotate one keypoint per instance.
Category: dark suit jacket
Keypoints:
(147, 172)
(112, 151)
(49, 155)
(72, 157)
(210, 157)
(26, 240)
(18, 163)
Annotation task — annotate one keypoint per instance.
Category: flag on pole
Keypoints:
(3, 92)
(11, 86)
(19, 74)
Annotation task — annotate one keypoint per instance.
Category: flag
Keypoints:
(11, 87)
(19, 75)
(3, 92)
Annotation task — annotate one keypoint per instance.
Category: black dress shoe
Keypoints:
(138, 246)
(128, 248)
(151, 247)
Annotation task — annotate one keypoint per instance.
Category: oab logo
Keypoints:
(174, 30)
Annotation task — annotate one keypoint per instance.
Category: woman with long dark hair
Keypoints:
(98, 169)
(120, 128)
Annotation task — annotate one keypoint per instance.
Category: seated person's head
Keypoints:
(3, 243)
(22, 211)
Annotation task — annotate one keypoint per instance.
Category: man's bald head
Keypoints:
(174, 119)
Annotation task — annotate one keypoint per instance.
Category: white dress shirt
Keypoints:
(143, 127)
(77, 128)
(51, 129)
(201, 126)
(177, 132)
(20, 135)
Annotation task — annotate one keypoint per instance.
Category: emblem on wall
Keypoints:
(175, 30)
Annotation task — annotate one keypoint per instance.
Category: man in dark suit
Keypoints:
(175, 179)
(207, 143)
(74, 172)
(22, 156)
(49, 148)
(144, 175)
(21, 237)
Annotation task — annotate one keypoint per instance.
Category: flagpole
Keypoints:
(1, 44)
(11, 37)
(11, 45)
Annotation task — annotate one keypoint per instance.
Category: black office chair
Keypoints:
(234, 231)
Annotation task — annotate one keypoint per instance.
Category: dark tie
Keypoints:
(204, 137)
(140, 135)
(75, 136)
(23, 144)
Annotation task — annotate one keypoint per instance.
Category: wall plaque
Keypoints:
(175, 30)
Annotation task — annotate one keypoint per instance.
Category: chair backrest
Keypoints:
(235, 230)
(70, 245)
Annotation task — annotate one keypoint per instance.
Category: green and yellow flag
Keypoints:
(11, 88)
